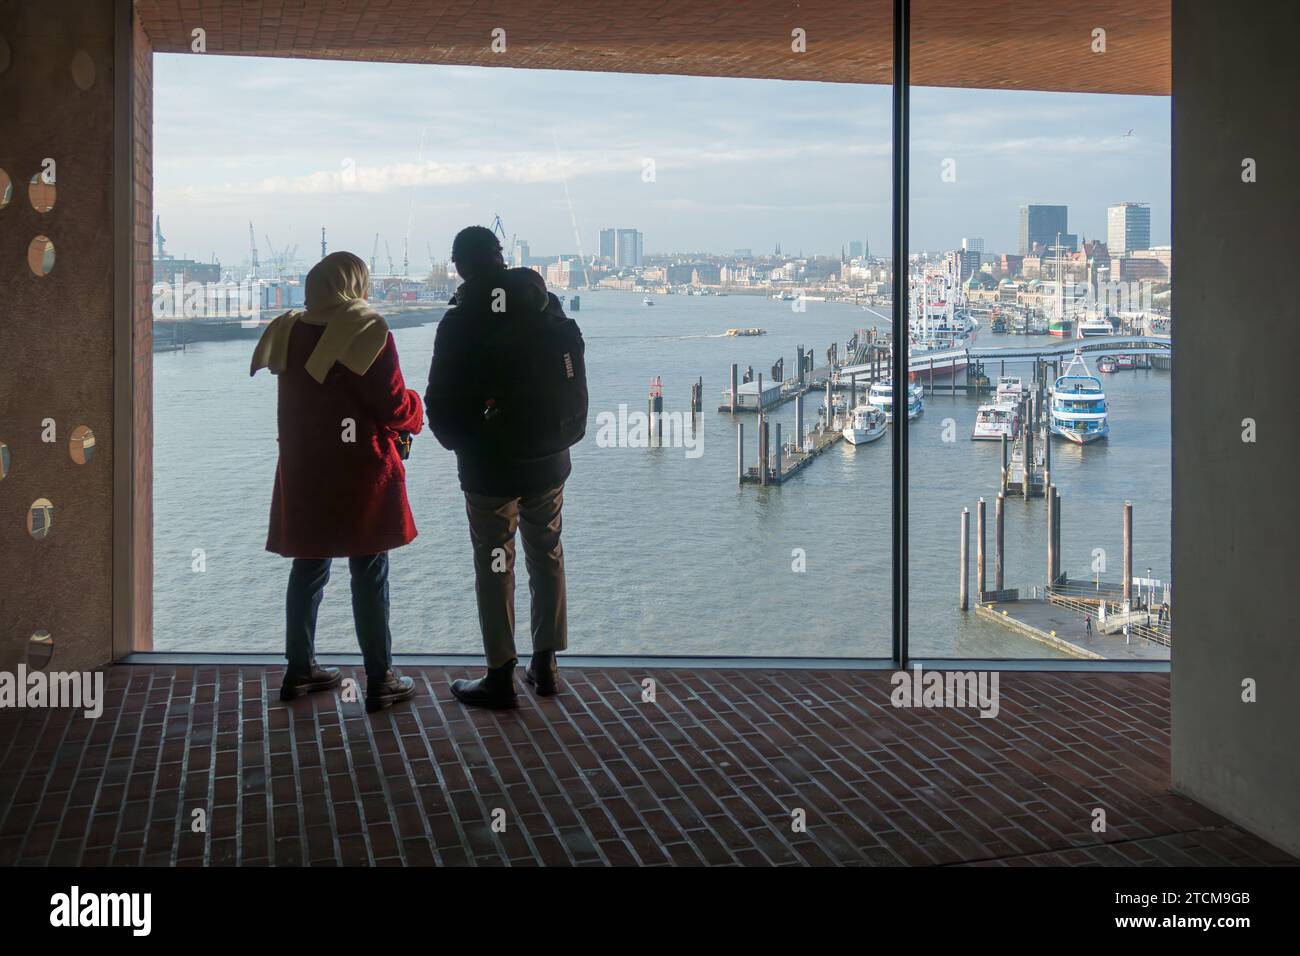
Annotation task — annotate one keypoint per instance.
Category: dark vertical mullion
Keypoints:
(123, 432)
(902, 39)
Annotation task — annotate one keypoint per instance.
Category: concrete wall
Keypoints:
(1237, 341)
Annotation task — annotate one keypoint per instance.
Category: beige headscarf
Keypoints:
(335, 297)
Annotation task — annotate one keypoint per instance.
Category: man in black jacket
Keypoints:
(502, 493)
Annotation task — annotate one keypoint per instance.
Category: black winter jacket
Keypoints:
(460, 371)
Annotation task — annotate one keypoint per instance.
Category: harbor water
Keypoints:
(665, 553)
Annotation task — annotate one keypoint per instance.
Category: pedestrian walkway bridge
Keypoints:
(1101, 344)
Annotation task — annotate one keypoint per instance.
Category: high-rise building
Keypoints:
(1039, 226)
(1128, 227)
(607, 243)
(519, 254)
(855, 248)
(621, 247)
(972, 244)
(964, 263)
(627, 248)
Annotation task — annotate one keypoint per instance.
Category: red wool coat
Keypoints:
(335, 498)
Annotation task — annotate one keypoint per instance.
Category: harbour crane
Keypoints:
(282, 260)
(374, 252)
(499, 228)
(389, 253)
(406, 259)
(322, 242)
(157, 228)
(252, 251)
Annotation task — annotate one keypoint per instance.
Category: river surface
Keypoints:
(666, 555)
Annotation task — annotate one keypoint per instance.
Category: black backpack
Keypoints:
(537, 396)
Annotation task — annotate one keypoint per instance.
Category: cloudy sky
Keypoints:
(697, 164)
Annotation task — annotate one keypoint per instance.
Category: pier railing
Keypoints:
(1086, 599)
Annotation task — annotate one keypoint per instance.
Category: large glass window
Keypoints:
(725, 244)
(1040, 274)
(692, 225)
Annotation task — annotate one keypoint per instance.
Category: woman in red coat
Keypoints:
(340, 487)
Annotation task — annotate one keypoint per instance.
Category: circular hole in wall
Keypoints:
(6, 189)
(83, 70)
(40, 649)
(40, 256)
(81, 444)
(4, 460)
(40, 518)
(41, 193)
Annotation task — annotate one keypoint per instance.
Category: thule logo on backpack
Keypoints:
(568, 365)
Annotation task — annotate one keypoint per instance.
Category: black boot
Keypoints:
(317, 678)
(389, 690)
(495, 689)
(543, 673)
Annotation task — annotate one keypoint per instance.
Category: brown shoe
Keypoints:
(392, 689)
(317, 679)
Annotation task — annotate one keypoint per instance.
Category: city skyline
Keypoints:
(424, 150)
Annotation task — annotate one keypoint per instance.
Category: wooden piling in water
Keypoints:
(776, 461)
(1047, 453)
(762, 451)
(1028, 463)
(979, 551)
(1056, 531)
(1051, 537)
(798, 420)
(965, 558)
(1128, 555)
(740, 452)
(1002, 480)
(735, 371)
(999, 541)
(655, 413)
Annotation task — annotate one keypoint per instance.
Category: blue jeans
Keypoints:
(307, 581)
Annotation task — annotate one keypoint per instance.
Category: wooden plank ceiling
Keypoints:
(981, 44)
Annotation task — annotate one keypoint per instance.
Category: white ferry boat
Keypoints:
(994, 420)
(1078, 411)
(882, 396)
(1094, 325)
(1010, 390)
(866, 424)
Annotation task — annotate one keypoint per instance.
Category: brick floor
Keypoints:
(711, 772)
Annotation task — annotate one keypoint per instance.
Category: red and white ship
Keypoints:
(938, 322)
